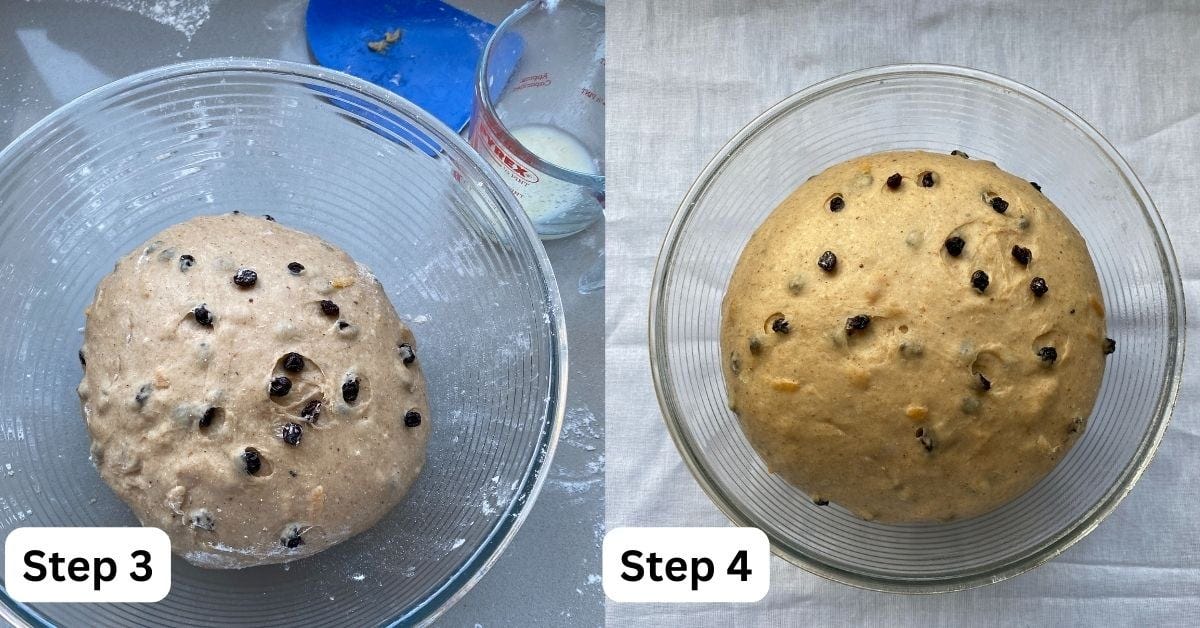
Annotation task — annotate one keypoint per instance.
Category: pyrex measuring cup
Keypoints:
(541, 126)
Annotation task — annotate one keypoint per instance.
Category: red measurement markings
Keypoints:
(592, 96)
(533, 80)
(520, 170)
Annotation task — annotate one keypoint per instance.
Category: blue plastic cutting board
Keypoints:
(432, 65)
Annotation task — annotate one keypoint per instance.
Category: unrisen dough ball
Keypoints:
(250, 390)
(915, 337)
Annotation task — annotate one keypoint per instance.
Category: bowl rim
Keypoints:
(522, 500)
(1062, 539)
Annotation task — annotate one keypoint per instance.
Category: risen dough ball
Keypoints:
(918, 371)
(255, 421)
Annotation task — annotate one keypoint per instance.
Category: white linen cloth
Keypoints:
(685, 76)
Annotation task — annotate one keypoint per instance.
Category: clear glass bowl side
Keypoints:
(370, 173)
(937, 109)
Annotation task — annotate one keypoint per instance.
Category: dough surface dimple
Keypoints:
(213, 391)
(898, 355)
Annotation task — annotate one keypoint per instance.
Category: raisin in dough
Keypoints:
(890, 384)
(173, 403)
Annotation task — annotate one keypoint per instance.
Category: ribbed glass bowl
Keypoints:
(360, 167)
(939, 109)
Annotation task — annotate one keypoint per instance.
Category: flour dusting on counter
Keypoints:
(185, 16)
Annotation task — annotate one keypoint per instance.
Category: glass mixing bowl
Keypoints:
(364, 169)
(933, 108)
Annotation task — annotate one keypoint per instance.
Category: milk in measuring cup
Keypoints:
(549, 199)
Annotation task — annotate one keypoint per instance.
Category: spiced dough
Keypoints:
(174, 396)
(892, 384)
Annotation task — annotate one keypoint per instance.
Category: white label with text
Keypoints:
(87, 564)
(686, 565)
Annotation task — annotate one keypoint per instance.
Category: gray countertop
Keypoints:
(53, 51)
